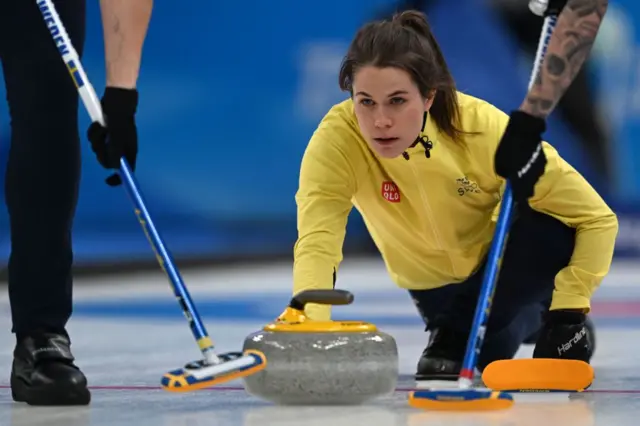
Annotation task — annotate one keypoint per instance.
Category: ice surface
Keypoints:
(127, 331)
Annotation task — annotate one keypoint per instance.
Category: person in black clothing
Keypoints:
(43, 173)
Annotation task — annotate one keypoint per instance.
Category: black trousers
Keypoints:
(539, 246)
(43, 169)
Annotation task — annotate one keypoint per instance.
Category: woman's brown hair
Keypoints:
(406, 42)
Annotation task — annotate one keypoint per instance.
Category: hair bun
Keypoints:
(413, 19)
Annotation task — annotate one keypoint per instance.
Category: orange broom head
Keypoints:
(538, 375)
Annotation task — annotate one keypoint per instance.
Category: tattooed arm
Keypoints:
(125, 24)
(569, 47)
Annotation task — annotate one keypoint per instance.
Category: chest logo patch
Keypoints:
(390, 192)
(465, 185)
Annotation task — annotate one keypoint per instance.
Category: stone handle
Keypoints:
(323, 297)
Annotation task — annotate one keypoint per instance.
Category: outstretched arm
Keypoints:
(569, 47)
(125, 24)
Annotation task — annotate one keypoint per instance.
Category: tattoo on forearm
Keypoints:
(568, 49)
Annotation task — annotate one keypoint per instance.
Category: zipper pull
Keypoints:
(427, 144)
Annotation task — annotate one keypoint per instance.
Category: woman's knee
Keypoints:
(539, 244)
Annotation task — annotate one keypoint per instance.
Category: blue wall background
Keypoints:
(231, 92)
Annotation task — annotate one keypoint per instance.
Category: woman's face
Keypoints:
(389, 108)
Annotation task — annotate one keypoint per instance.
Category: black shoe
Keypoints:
(43, 372)
(443, 356)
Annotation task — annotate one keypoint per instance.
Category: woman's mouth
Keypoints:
(385, 141)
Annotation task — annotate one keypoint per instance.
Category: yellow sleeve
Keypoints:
(327, 184)
(565, 195)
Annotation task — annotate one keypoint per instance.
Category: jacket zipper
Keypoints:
(425, 201)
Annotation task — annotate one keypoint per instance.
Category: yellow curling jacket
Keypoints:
(433, 218)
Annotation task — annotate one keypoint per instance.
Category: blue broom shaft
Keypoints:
(87, 93)
(483, 308)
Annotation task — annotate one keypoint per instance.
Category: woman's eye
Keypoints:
(367, 102)
(397, 101)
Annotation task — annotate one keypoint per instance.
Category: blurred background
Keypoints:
(232, 90)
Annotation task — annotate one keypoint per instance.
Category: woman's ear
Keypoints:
(429, 100)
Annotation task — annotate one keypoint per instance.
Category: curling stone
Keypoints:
(322, 362)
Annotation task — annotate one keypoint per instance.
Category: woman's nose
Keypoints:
(382, 121)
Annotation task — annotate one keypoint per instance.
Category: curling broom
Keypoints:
(540, 374)
(213, 369)
(464, 398)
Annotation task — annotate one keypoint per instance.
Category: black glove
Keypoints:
(519, 157)
(120, 136)
(565, 335)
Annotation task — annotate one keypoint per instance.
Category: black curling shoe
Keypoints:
(43, 372)
(442, 358)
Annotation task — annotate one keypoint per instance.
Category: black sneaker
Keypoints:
(443, 356)
(43, 372)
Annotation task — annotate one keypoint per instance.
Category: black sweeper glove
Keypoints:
(565, 335)
(120, 137)
(519, 157)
